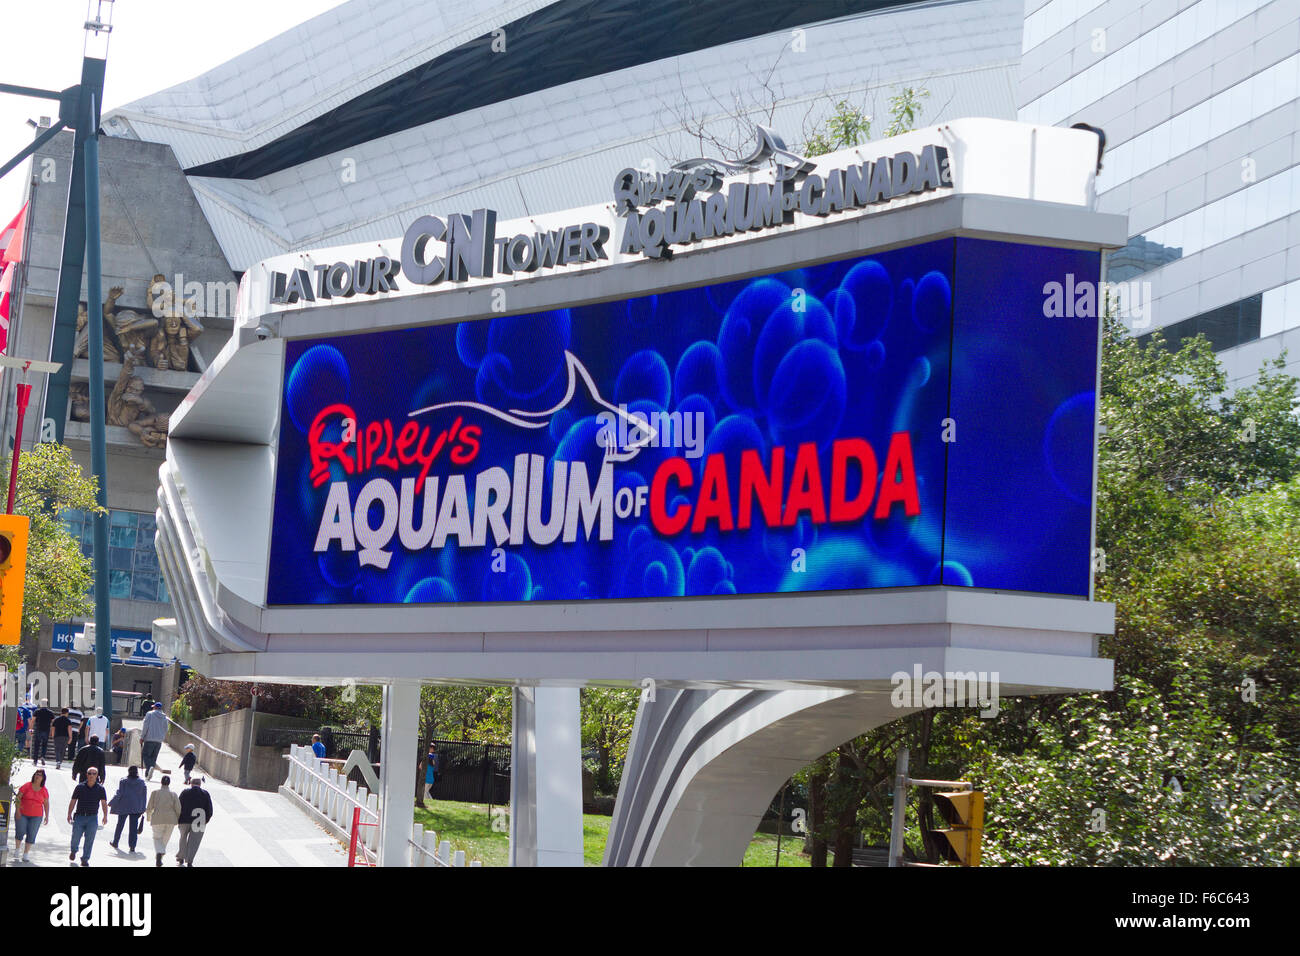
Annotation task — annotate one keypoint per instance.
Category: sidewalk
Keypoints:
(248, 828)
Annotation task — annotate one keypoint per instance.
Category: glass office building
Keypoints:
(1200, 102)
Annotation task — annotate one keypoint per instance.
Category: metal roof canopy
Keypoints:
(561, 43)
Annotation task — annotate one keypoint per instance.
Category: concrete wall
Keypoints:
(150, 224)
(229, 732)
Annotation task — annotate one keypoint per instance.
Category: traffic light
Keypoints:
(13, 571)
(964, 813)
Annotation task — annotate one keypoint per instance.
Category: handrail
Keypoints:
(201, 740)
(429, 854)
(329, 786)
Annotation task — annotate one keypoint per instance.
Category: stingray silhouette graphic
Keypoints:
(641, 433)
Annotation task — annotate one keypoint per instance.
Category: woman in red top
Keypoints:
(33, 804)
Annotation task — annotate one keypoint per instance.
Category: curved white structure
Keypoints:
(751, 686)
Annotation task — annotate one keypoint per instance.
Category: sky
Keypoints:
(154, 44)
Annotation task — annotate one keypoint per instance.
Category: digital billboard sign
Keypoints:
(902, 419)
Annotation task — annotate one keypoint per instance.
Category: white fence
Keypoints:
(336, 797)
(427, 851)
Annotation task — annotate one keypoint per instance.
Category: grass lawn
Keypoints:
(469, 828)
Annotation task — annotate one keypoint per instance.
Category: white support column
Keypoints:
(546, 778)
(399, 744)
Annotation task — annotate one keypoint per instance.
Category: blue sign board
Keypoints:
(145, 651)
(903, 419)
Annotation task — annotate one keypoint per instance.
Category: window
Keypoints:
(1225, 327)
(133, 572)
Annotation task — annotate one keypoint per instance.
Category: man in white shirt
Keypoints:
(98, 726)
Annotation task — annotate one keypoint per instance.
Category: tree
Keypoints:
(845, 126)
(904, 108)
(207, 697)
(607, 717)
(1199, 521)
(59, 576)
(1204, 569)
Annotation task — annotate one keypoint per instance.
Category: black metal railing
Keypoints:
(469, 771)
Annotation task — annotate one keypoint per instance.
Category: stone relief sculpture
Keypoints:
(133, 329)
(82, 349)
(128, 408)
(179, 327)
(79, 398)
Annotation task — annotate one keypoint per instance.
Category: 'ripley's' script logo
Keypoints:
(495, 506)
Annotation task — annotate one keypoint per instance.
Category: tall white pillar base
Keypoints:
(399, 744)
(546, 778)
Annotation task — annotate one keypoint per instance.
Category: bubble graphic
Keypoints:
(875, 354)
(338, 568)
(430, 591)
(644, 377)
(319, 378)
(699, 372)
(653, 569)
(472, 342)
(707, 570)
(872, 294)
(842, 308)
(515, 583)
(492, 384)
(739, 334)
(1067, 447)
(561, 422)
(932, 302)
(785, 329)
(641, 310)
(951, 572)
(807, 395)
(533, 346)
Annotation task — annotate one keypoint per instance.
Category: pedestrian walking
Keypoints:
(431, 764)
(20, 730)
(317, 747)
(42, 720)
(61, 729)
(97, 726)
(188, 761)
(153, 732)
(87, 798)
(196, 817)
(130, 801)
(33, 807)
(163, 813)
(91, 755)
(118, 744)
(25, 712)
(77, 721)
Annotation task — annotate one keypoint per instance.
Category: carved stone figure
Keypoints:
(128, 407)
(170, 346)
(82, 349)
(79, 397)
(133, 329)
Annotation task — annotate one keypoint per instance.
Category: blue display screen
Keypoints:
(904, 419)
